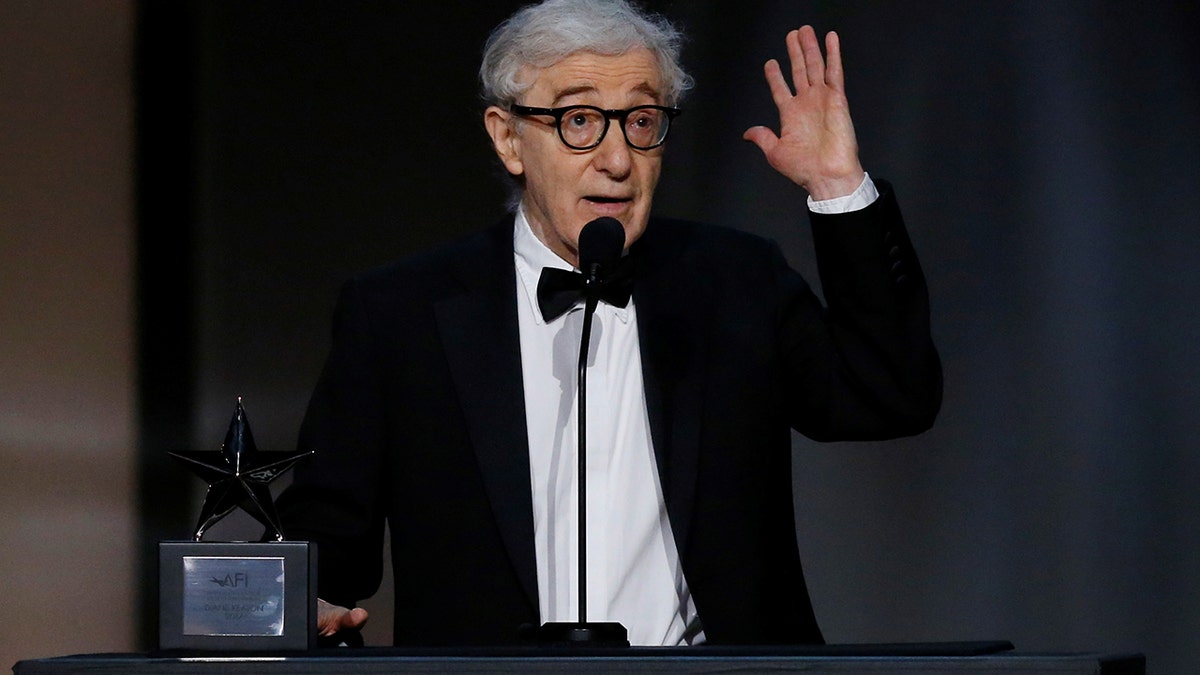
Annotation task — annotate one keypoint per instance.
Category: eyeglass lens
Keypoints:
(583, 128)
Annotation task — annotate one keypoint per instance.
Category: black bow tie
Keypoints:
(559, 290)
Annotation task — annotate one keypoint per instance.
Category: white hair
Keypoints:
(540, 35)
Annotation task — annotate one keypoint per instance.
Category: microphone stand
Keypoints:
(583, 633)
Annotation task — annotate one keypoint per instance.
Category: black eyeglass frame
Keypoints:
(609, 116)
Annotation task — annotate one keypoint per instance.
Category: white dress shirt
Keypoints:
(633, 570)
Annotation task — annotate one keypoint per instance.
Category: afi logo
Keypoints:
(232, 580)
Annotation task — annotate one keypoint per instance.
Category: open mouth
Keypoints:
(597, 199)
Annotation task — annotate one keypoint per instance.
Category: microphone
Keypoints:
(600, 244)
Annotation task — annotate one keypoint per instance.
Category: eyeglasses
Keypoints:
(582, 127)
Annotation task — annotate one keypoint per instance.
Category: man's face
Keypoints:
(565, 189)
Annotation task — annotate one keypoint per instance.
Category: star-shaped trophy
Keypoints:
(238, 596)
(239, 476)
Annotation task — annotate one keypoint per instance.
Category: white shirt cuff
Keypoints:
(864, 196)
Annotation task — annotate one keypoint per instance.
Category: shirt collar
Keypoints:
(532, 255)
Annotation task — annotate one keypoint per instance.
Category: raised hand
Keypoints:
(816, 147)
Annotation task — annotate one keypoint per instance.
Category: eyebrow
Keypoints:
(643, 88)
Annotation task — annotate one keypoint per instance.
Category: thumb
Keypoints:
(763, 137)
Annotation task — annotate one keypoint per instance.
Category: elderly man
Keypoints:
(447, 410)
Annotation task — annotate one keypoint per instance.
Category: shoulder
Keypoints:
(444, 269)
(711, 251)
(672, 238)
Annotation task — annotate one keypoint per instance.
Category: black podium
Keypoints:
(941, 658)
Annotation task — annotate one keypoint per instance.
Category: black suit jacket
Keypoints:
(418, 419)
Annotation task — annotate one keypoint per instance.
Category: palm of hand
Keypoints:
(816, 146)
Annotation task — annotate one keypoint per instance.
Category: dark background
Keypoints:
(1045, 156)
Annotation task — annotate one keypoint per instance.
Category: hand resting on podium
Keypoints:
(335, 619)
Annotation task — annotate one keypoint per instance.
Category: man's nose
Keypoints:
(613, 156)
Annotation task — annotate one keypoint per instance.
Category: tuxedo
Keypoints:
(418, 418)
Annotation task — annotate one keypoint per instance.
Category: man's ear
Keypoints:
(505, 140)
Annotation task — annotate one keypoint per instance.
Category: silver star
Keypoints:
(238, 476)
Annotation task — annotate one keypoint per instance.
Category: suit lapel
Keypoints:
(672, 330)
(482, 343)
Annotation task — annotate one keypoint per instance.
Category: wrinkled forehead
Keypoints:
(634, 74)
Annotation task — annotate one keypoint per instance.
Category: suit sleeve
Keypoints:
(335, 498)
(866, 360)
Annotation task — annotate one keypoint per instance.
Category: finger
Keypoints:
(763, 137)
(796, 57)
(814, 64)
(780, 92)
(342, 619)
(834, 75)
(355, 618)
(333, 618)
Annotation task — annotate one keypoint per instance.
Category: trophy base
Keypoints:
(237, 597)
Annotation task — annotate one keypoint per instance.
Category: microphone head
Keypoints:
(600, 244)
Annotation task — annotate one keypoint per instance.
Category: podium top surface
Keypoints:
(941, 658)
